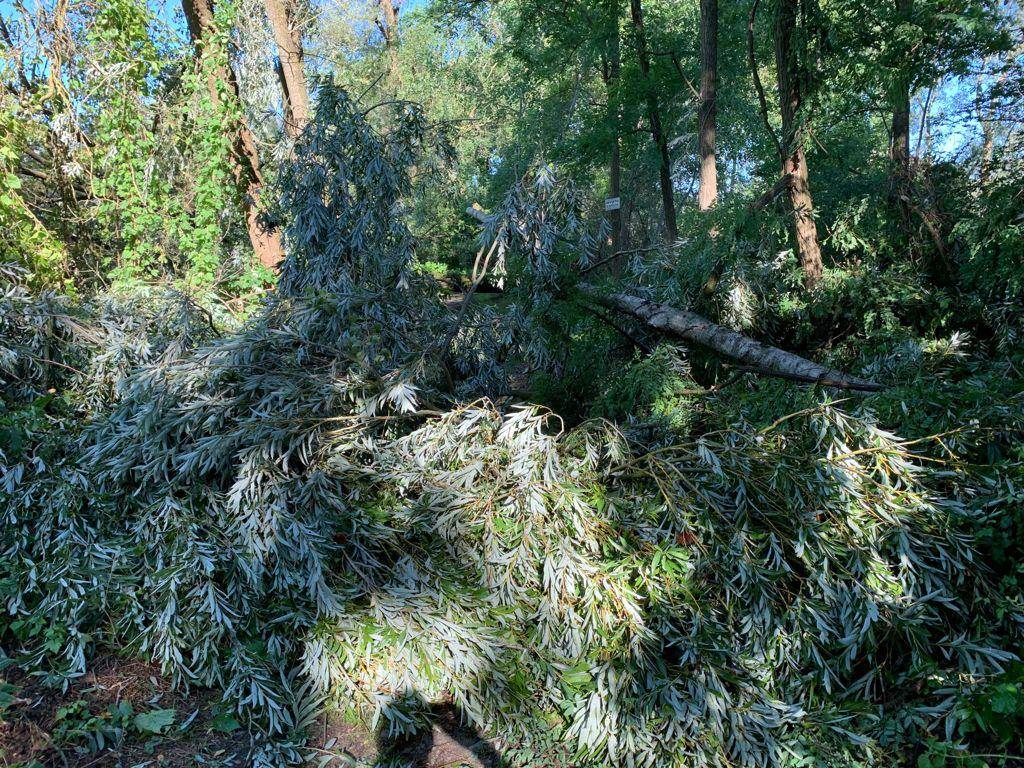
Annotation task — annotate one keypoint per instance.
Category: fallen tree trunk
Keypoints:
(691, 327)
(760, 357)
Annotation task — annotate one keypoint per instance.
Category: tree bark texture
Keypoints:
(292, 72)
(611, 72)
(389, 29)
(696, 329)
(899, 149)
(245, 159)
(792, 81)
(707, 194)
(699, 330)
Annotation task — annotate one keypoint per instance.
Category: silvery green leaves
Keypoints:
(87, 349)
(657, 603)
(542, 229)
(279, 512)
(342, 199)
(646, 602)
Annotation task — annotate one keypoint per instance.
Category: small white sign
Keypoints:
(612, 203)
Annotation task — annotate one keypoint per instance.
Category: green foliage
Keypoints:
(133, 193)
(275, 511)
(76, 725)
(165, 174)
(992, 230)
(154, 721)
(656, 387)
(23, 237)
(330, 499)
(435, 269)
(208, 146)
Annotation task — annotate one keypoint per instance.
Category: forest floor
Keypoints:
(124, 713)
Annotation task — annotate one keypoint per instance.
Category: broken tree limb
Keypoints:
(763, 358)
(768, 197)
(757, 357)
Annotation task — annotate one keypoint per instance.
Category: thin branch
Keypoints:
(752, 61)
(616, 255)
(641, 345)
(924, 122)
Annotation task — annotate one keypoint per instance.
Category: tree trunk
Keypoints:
(899, 149)
(793, 80)
(695, 329)
(288, 38)
(690, 326)
(245, 159)
(668, 203)
(615, 220)
(389, 29)
(706, 112)
(899, 152)
(286, 102)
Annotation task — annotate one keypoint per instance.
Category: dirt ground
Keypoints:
(125, 714)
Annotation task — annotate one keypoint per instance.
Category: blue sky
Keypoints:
(169, 10)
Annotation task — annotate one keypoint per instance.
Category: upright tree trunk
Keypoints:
(288, 38)
(792, 80)
(245, 160)
(668, 202)
(899, 150)
(706, 111)
(615, 220)
(389, 29)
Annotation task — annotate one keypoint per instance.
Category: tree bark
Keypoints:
(668, 203)
(899, 149)
(286, 102)
(288, 38)
(706, 112)
(899, 152)
(793, 80)
(695, 329)
(389, 29)
(770, 196)
(245, 159)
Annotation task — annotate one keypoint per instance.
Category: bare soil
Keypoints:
(92, 725)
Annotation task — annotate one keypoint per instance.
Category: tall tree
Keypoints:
(291, 69)
(389, 29)
(899, 151)
(793, 80)
(899, 147)
(706, 111)
(668, 203)
(245, 159)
